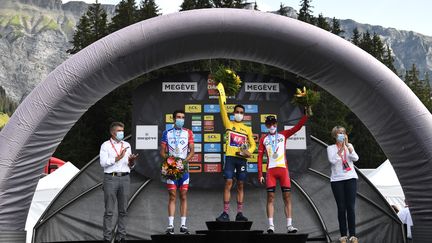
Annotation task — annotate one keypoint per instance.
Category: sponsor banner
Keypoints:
(211, 87)
(230, 108)
(195, 168)
(253, 158)
(211, 108)
(264, 128)
(231, 117)
(197, 137)
(196, 129)
(247, 118)
(262, 87)
(297, 140)
(252, 168)
(196, 123)
(208, 123)
(264, 168)
(197, 158)
(193, 108)
(208, 118)
(197, 147)
(196, 118)
(168, 126)
(212, 147)
(212, 137)
(179, 86)
(169, 118)
(209, 128)
(212, 158)
(263, 117)
(146, 137)
(251, 108)
(248, 123)
(212, 168)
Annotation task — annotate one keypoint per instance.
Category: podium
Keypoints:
(230, 232)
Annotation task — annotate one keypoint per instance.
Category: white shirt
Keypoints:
(405, 216)
(108, 154)
(337, 171)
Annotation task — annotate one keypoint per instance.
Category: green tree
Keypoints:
(305, 12)
(388, 59)
(420, 87)
(355, 39)
(228, 3)
(188, 5)
(126, 13)
(148, 9)
(283, 10)
(7, 105)
(335, 27)
(91, 27)
(322, 23)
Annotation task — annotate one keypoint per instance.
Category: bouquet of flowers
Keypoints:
(306, 98)
(174, 168)
(229, 79)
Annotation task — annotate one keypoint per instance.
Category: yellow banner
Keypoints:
(253, 158)
(263, 117)
(222, 95)
(212, 137)
(169, 118)
(208, 118)
(193, 108)
(230, 108)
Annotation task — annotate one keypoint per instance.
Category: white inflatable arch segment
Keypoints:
(393, 114)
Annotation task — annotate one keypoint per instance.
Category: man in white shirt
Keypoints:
(405, 216)
(116, 159)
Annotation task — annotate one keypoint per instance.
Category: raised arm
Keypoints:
(224, 115)
(287, 133)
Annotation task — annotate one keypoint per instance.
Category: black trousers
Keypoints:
(345, 194)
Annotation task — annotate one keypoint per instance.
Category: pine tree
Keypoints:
(335, 27)
(126, 13)
(322, 23)
(228, 3)
(188, 5)
(389, 60)
(377, 48)
(91, 27)
(283, 10)
(420, 87)
(203, 4)
(355, 39)
(305, 13)
(148, 9)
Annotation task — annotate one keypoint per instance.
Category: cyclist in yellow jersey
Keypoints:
(238, 136)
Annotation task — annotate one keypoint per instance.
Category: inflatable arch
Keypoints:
(398, 120)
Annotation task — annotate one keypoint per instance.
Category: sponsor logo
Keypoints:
(212, 168)
(208, 118)
(212, 108)
(264, 129)
(212, 158)
(212, 147)
(212, 137)
(196, 118)
(236, 140)
(297, 140)
(253, 158)
(196, 158)
(251, 108)
(197, 123)
(169, 118)
(179, 86)
(211, 87)
(263, 117)
(196, 129)
(229, 108)
(193, 108)
(208, 128)
(195, 168)
(208, 123)
(197, 147)
(197, 137)
(247, 118)
(262, 87)
(252, 168)
(168, 126)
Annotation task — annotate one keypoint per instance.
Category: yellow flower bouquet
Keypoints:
(229, 79)
(306, 98)
(174, 168)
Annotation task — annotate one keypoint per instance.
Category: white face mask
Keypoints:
(238, 117)
(272, 129)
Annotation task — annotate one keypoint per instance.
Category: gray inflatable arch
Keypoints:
(397, 119)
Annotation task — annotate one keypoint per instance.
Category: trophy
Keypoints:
(244, 152)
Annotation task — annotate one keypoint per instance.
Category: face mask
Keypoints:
(120, 135)
(238, 117)
(272, 129)
(179, 123)
(340, 137)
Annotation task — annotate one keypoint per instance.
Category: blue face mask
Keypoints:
(120, 135)
(179, 123)
(340, 137)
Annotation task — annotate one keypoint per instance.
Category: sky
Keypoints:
(412, 15)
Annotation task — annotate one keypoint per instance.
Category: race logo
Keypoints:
(193, 108)
(236, 139)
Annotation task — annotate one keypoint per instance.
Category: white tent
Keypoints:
(385, 180)
(46, 190)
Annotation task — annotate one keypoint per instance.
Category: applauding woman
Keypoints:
(343, 182)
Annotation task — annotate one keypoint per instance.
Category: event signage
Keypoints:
(297, 140)
(179, 86)
(146, 137)
(212, 158)
(262, 87)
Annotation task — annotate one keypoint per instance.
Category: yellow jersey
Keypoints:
(237, 133)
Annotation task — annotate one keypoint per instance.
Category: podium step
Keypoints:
(179, 238)
(230, 225)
